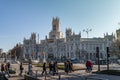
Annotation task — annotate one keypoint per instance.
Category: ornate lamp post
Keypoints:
(87, 31)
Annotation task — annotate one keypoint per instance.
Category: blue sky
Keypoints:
(18, 18)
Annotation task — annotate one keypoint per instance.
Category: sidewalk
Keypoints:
(108, 77)
(15, 77)
(76, 75)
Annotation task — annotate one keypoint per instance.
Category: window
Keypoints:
(54, 27)
(53, 35)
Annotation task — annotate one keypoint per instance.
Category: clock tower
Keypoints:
(55, 32)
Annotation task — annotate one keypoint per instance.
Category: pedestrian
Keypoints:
(56, 68)
(44, 69)
(30, 68)
(6, 69)
(89, 66)
(21, 69)
(50, 67)
(2, 70)
(66, 67)
(70, 66)
(8, 64)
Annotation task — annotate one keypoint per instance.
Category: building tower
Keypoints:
(33, 38)
(68, 33)
(118, 34)
(55, 32)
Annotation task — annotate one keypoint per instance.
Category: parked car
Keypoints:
(74, 60)
(118, 61)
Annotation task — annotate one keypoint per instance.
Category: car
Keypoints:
(74, 61)
(118, 61)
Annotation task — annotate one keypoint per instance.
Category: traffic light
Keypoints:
(108, 55)
(97, 52)
(97, 49)
(97, 55)
(107, 49)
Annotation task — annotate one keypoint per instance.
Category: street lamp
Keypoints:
(87, 31)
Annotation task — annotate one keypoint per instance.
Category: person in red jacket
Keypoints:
(89, 65)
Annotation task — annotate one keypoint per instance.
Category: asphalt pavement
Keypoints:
(76, 75)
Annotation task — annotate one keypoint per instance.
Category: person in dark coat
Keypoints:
(2, 70)
(8, 66)
(66, 65)
(55, 70)
(6, 69)
(44, 69)
(50, 67)
(21, 69)
(3, 77)
(71, 66)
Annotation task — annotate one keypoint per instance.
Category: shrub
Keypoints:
(12, 71)
(61, 66)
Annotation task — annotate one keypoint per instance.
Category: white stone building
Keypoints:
(71, 46)
(29, 46)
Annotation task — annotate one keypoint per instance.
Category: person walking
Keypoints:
(21, 69)
(70, 66)
(55, 68)
(66, 65)
(30, 68)
(44, 69)
(6, 69)
(2, 71)
(8, 64)
(50, 67)
(89, 66)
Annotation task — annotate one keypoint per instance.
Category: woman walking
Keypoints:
(21, 69)
(44, 69)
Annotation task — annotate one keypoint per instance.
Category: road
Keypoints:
(76, 75)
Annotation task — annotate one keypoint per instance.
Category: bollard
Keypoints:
(36, 73)
(45, 75)
(59, 77)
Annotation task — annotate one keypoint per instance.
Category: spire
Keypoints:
(107, 34)
(46, 37)
(104, 34)
(80, 33)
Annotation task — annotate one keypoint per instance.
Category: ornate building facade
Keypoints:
(72, 46)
